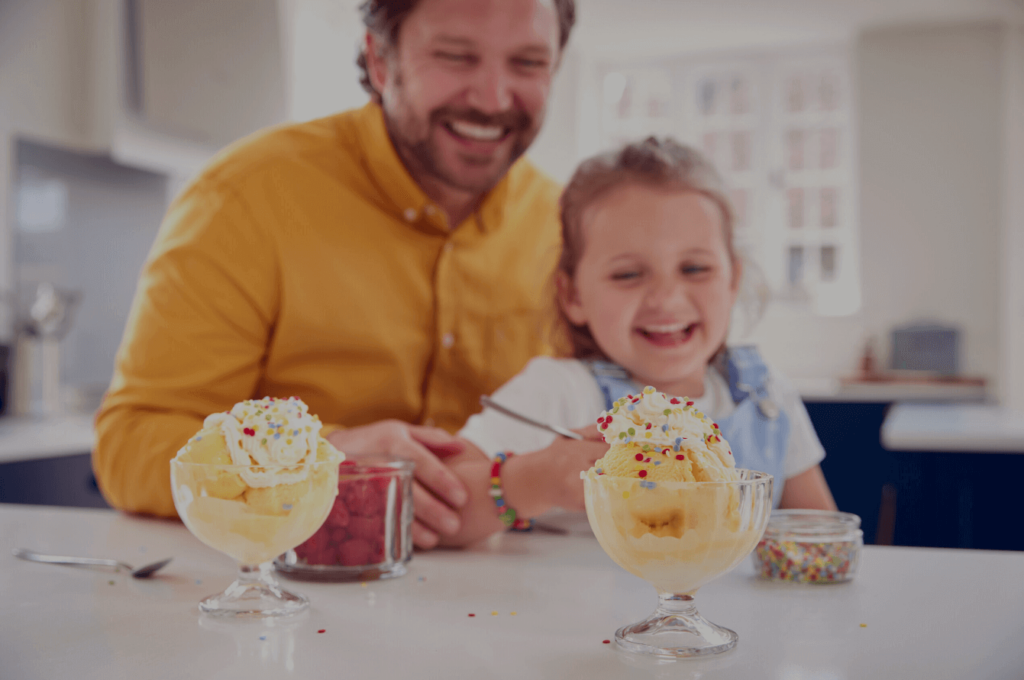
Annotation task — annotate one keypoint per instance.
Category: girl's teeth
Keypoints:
(477, 132)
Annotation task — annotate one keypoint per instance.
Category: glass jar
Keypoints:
(368, 534)
(810, 546)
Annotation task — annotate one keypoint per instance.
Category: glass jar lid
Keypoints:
(813, 525)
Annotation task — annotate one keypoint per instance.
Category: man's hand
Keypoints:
(436, 489)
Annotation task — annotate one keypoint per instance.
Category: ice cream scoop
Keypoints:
(656, 437)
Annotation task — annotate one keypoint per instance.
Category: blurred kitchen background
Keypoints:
(874, 152)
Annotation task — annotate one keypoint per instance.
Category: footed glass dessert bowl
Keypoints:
(677, 536)
(283, 507)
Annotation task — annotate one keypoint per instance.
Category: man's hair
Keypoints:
(384, 18)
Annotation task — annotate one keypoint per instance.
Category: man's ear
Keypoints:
(376, 61)
(568, 299)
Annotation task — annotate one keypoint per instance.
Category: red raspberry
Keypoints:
(339, 516)
(363, 500)
(355, 552)
(369, 528)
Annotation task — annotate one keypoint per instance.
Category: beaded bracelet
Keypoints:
(506, 513)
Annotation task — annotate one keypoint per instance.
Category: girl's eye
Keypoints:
(693, 269)
(625, 276)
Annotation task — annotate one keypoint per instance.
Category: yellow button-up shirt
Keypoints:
(306, 261)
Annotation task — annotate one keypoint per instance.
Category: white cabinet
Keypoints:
(154, 83)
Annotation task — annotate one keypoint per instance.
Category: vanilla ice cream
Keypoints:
(257, 480)
(667, 502)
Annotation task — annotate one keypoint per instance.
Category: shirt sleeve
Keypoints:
(556, 391)
(805, 449)
(194, 343)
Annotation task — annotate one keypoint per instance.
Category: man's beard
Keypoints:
(420, 148)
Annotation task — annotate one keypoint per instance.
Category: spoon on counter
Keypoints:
(136, 572)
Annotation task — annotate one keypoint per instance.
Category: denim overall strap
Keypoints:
(613, 380)
(758, 441)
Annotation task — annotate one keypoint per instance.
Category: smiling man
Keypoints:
(386, 264)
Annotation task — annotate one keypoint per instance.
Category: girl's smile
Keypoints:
(655, 284)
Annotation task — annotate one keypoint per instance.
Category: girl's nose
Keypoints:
(491, 90)
(667, 293)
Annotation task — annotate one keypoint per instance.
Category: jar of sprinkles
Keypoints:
(810, 546)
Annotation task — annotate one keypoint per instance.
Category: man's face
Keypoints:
(464, 89)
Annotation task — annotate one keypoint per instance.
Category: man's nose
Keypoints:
(491, 91)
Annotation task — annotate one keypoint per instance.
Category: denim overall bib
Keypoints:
(757, 430)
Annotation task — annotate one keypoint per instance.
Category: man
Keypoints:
(387, 265)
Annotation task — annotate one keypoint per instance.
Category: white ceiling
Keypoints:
(657, 26)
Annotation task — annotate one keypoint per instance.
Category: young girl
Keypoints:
(645, 287)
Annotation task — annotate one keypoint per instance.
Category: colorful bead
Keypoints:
(506, 513)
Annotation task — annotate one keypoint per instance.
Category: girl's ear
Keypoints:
(376, 62)
(568, 299)
(737, 275)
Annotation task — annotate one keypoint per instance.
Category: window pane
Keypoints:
(740, 97)
(795, 149)
(829, 207)
(795, 95)
(741, 151)
(829, 148)
(796, 264)
(707, 96)
(828, 263)
(795, 197)
(829, 92)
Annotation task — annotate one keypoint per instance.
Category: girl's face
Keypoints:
(655, 284)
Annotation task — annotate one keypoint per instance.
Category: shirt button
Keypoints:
(429, 422)
(410, 214)
(448, 340)
(430, 210)
(449, 247)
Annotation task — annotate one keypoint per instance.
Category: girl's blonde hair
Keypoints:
(655, 162)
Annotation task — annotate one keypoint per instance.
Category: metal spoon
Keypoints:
(141, 572)
(487, 402)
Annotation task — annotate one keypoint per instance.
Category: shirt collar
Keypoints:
(406, 199)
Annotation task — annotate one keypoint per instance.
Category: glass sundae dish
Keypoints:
(668, 505)
(253, 483)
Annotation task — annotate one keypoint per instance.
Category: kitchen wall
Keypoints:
(1011, 377)
(95, 248)
(931, 168)
(940, 105)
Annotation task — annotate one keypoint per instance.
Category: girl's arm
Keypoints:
(807, 490)
(532, 483)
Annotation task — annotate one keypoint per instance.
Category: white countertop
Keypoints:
(31, 438)
(968, 428)
(837, 390)
(930, 614)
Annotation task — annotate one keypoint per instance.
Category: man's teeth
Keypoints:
(483, 133)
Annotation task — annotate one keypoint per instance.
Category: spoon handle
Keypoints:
(62, 559)
(488, 402)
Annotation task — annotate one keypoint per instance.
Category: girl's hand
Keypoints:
(565, 459)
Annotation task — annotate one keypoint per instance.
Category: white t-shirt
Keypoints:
(563, 392)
